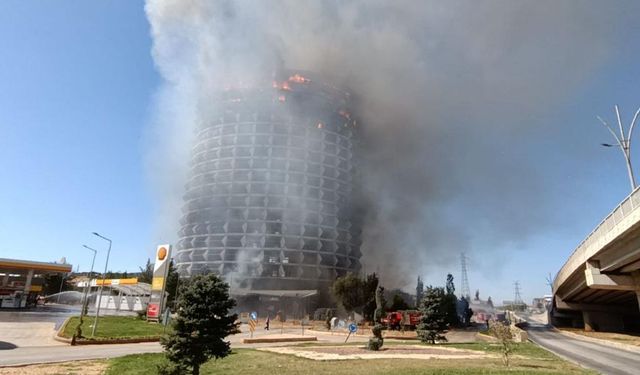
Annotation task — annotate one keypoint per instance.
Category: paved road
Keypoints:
(48, 354)
(602, 358)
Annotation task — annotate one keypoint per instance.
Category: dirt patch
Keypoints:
(63, 368)
(329, 353)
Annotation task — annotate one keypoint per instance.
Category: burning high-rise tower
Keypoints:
(270, 204)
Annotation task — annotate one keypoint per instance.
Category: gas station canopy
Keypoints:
(21, 280)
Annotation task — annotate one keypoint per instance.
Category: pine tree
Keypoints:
(419, 291)
(173, 279)
(202, 323)
(146, 272)
(450, 303)
(433, 322)
(450, 288)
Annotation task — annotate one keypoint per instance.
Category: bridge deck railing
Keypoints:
(580, 254)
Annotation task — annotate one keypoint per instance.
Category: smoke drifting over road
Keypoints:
(448, 94)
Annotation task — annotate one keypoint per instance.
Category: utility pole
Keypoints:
(623, 142)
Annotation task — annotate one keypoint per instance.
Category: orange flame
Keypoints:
(297, 78)
(281, 85)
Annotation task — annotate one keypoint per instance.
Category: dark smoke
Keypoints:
(449, 93)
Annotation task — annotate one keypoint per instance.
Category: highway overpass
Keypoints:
(599, 285)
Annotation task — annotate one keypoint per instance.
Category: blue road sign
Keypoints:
(254, 315)
(353, 327)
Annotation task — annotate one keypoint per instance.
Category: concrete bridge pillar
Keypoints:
(636, 282)
(603, 321)
(589, 324)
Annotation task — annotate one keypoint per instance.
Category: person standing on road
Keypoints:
(266, 327)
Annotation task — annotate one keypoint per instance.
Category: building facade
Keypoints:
(270, 203)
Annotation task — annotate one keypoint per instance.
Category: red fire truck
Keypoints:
(402, 319)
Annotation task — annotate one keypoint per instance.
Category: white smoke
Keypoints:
(444, 90)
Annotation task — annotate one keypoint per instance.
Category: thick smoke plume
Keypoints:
(448, 93)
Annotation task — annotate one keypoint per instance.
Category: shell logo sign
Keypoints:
(160, 270)
(162, 253)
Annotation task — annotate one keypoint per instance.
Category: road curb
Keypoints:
(59, 337)
(264, 340)
(18, 365)
(613, 344)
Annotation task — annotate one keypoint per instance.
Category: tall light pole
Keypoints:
(61, 285)
(88, 287)
(104, 276)
(623, 142)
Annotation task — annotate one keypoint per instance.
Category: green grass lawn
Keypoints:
(111, 327)
(249, 362)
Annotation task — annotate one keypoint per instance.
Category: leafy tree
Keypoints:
(202, 323)
(348, 290)
(355, 293)
(433, 322)
(477, 295)
(503, 333)
(489, 301)
(146, 273)
(117, 275)
(398, 303)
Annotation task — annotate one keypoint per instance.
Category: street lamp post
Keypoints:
(61, 285)
(88, 287)
(104, 276)
(623, 142)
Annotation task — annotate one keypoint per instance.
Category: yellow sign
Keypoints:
(252, 325)
(36, 288)
(130, 281)
(157, 283)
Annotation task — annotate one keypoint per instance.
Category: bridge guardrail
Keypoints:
(622, 211)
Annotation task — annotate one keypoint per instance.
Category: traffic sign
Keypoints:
(254, 315)
(353, 328)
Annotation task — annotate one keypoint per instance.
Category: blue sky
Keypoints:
(77, 80)
(78, 86)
